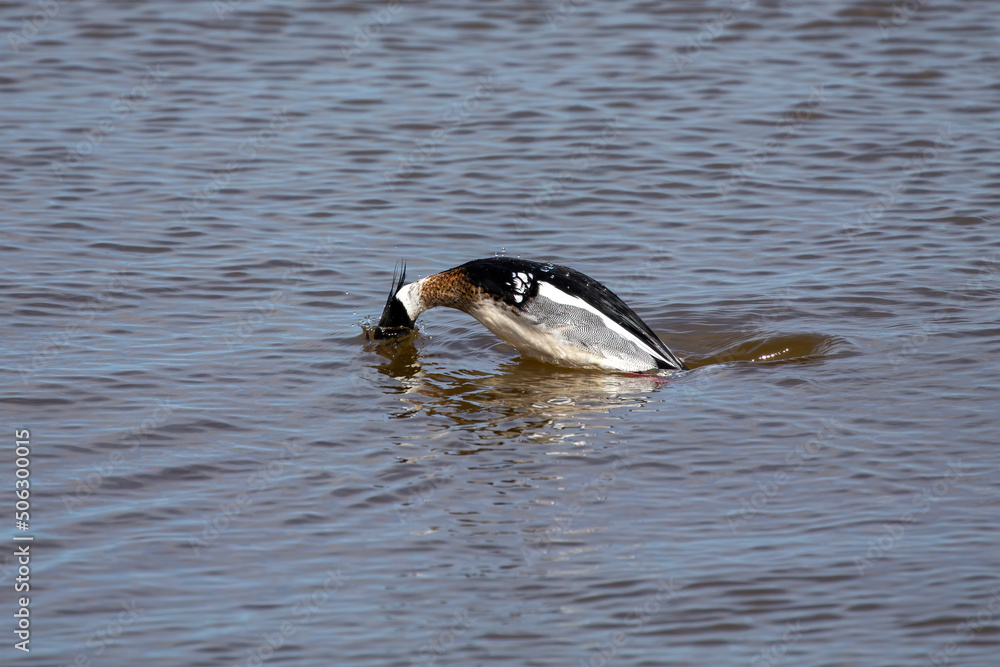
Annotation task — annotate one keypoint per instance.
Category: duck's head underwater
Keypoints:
(545, 311)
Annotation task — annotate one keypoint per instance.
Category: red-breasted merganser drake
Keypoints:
(544, 311)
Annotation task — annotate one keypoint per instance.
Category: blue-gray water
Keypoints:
(202, 204)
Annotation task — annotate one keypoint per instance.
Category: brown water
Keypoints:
(203, 203)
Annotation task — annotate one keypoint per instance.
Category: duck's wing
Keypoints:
(518, 281)
(612, 310)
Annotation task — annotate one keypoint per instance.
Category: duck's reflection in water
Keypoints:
(510, 496)
(527, 399)
(524, 400)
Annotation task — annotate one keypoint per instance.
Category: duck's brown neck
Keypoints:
(450, 289)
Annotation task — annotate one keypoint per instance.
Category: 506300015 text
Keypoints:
(22, 503)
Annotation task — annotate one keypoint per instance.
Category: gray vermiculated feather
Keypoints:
(584, 329)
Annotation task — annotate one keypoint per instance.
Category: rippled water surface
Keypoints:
(202, 205)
